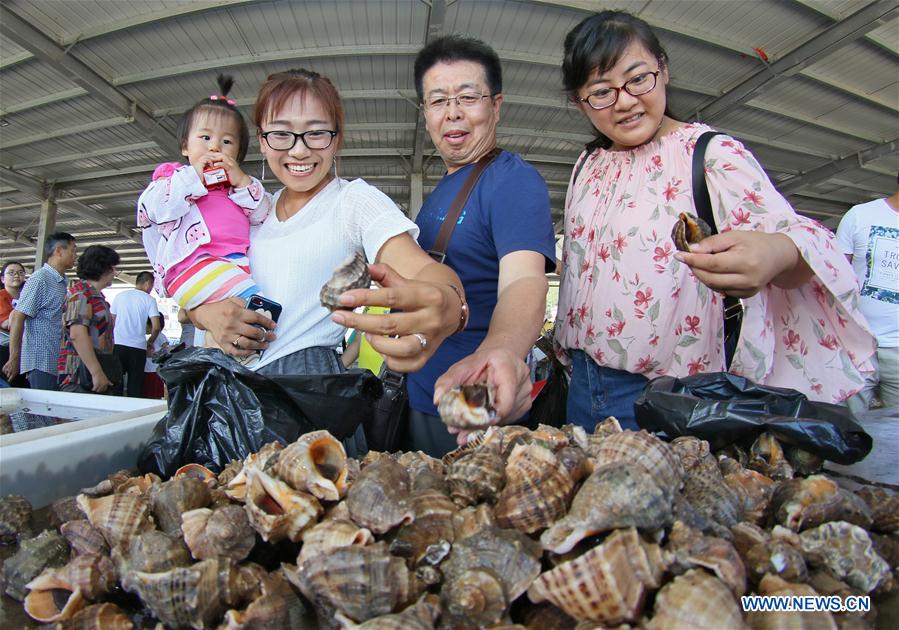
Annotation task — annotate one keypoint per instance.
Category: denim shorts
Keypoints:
(597, 392)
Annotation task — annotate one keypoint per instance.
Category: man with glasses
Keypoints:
(502, 244)
(35, 328)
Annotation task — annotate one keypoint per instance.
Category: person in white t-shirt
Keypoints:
(131, 310)
(869, 236)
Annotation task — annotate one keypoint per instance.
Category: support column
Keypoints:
(416, 195)
(45, 228)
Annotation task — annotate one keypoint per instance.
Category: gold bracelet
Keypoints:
(463, 313)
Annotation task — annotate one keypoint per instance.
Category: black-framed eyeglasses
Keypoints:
(639, 85)
(16, 273)
(466, 100)
(286, 140)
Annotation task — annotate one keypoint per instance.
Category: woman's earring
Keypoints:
(336, 176)
(262, 179)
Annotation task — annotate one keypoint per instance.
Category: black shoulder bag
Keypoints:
(382, 431)
(733, 309)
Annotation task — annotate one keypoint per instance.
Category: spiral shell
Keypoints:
(119, 517)
(477, 476)
(689, 229)
(315, 463)
(538, 490)
(196, 596)
(432, 527)
(52, 598)
(420, 616)
(470, 520)
(99, 617)
(616, 495)
(696, 599)
(276, 510)
(608, 583)
(379, 500)
(151, 552)
(847, 551)
(332, 534)
(169, 500)
(884, 507)
(467, 406)
(485, 573)
(767, 456)
(643, 450)
(93, 574)
(197, 471)
(225, 531)
(84, 537)
(806, 503)
(277, 606)
(756, 490)
(777, 558)
(360, 582)
(691, 550)
(352, 273)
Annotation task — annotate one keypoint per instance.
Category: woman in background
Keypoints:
(12, 279)
(86, 361)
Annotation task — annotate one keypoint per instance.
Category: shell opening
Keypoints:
(60, 597)
(328, 465)
(269, 505)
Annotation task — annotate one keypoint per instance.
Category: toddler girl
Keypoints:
(196, 219)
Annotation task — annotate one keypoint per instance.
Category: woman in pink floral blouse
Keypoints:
(631, 307)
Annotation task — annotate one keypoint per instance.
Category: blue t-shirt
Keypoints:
(508, 211)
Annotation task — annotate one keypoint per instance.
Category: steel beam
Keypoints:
(84, 155)
(257, 58)
(23, 182)
(47, 99)
(30, 38)
(831, 39)
(67, 131)
(834, 167)
(17, 237)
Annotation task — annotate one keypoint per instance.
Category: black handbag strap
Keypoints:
(701, 199)
(438, 252)
(733, 310)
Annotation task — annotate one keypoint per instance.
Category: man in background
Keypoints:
(869, 236)
(131, 310)
(35, 327)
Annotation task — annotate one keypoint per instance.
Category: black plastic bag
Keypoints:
(550, 405)
(724, 408)
(219, 410)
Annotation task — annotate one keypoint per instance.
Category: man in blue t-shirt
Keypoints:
(502, 245)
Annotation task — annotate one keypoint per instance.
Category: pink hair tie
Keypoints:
(214, 97)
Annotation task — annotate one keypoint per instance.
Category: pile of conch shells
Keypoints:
(550, 528)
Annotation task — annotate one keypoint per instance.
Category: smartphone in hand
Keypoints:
(270, 309)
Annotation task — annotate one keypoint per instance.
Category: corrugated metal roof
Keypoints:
(164, 55)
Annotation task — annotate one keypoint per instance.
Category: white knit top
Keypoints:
(291, 260)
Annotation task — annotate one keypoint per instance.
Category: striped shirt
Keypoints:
(41, 301)
(87, 307)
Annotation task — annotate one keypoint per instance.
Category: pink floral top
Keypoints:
(630, 305)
